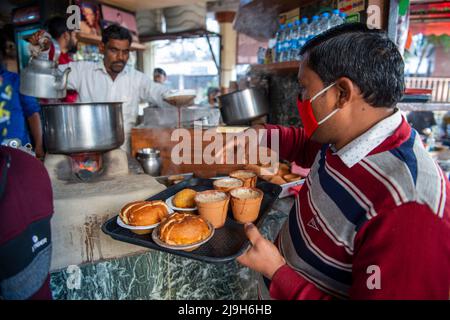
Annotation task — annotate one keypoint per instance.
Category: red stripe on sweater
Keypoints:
(351, 188)
(386, 179)
(330, 233)
(318, 237)
(370, 186)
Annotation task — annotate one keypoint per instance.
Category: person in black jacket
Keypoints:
(26, 207)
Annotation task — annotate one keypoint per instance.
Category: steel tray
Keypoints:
(227, 243)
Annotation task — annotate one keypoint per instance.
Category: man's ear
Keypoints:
(101, 48)
(347, 91)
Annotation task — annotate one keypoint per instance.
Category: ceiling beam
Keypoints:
(133, 5)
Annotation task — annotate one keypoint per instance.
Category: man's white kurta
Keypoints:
(131, 87)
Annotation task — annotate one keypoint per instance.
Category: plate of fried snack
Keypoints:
(280, 174)
(183, 200)
(183, 231)
(141, 217)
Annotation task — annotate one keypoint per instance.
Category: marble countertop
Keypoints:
(159, 275)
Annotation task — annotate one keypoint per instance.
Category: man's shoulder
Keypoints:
(409, 174)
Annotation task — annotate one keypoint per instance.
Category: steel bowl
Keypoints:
(82, 127)
(243, 106)
(150, 161)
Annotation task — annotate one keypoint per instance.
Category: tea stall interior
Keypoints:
(91, 187)
(112, 269)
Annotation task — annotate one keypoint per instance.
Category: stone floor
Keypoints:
(159, 275)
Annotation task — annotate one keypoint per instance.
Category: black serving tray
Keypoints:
(227, 243)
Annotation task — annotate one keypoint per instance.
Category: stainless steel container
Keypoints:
(150, 160)
(42, 79)
(242, 106)
(83, 127)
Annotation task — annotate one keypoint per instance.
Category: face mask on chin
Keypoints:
(305, 110)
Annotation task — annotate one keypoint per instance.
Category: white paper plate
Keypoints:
(124, 225)
(171, 206)
(155, 237)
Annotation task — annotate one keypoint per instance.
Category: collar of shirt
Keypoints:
(360, 147)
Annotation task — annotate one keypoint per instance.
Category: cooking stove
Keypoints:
(88, 189)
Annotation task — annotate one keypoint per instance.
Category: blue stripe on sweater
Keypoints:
(405, 153)
(310, 257)
(339, 195)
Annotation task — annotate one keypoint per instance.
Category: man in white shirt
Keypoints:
(111, 80)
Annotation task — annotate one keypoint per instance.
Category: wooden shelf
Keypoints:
(94, 39)
(279, 67)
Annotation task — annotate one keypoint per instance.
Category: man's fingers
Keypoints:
(252, 233)
(242, 258)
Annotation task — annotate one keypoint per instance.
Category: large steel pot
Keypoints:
(83, 127)
(242, 106)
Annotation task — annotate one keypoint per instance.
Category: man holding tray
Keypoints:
(372, 220)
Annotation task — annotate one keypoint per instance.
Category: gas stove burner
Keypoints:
(86, 166)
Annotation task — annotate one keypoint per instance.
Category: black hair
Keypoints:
(159, 71)
(6, 34)
(8, 30)
(365, 56)
(57, 26)
(116, 32)
(2, 44)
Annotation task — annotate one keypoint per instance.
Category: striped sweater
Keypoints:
(386, 217)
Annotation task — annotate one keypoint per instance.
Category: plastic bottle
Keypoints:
(313, 27)
(261, 55)
(335, 19)
(285, 45)
(294, 39)
(324, 22)
(343, 16)
(304, 33)
(280, 42)
(287, 42)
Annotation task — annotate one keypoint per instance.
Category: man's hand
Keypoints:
(34, 122)
(39, 38)
(239, 143)
(39, 41)
(263, 256)
(39, 150)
